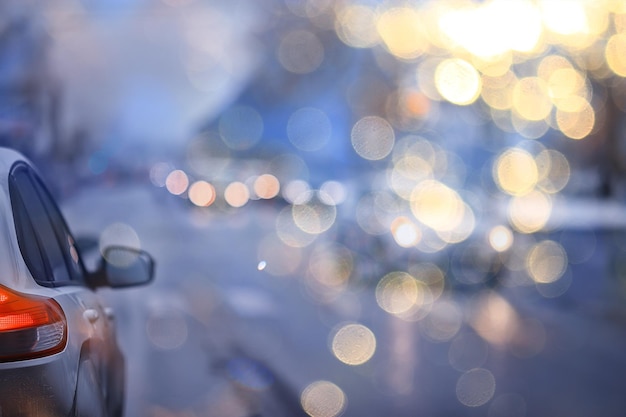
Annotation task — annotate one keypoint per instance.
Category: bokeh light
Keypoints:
(323, 399)
(437, 205)
(576, 124)
(177, 182)
(405, 232)
(356, 26)
(531, 98)
(354, 344)
(400, 30)
(562, 21)
(119, 234)
(568, 88)
(547, 261)
(615, 54)
(554, 171)
(373, 138)
(493, 29)
(296, 190)
(476, 387)
(266, 186)
(407, 172)
(402, 295)
(236, 194)
(335, 190)
(515, 172)
(458, 81)
(501, 238)
(202, 193)
(530, 213)
(314, 212)
(497, 91)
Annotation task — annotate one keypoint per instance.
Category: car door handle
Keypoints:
(91, 315)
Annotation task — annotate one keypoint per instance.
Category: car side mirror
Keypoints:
(122, 266)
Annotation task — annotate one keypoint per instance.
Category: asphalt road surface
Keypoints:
(231, 327)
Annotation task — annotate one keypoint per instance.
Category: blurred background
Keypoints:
(358, 207)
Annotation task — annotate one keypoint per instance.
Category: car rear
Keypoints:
(38, 353)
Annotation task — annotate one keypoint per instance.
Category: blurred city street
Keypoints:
(359, 208)
(218, 336)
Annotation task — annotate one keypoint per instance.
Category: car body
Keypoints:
(58, 350)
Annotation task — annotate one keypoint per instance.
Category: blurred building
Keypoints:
(29, 97)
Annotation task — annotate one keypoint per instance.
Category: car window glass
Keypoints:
(64, 237)
(27, 239)
(41, 226)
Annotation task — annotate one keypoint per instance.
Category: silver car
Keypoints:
(58, 351)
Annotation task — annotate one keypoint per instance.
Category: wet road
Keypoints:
(227, 329)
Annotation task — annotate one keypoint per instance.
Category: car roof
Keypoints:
(13, 270)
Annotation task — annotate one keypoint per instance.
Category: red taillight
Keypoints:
(30, 326)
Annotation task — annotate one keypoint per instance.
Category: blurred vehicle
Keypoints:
(58, 350)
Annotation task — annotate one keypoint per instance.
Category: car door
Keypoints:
(48, 249)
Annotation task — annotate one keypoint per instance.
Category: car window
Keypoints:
(27, 239)
(62, 232)
(43, 237)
